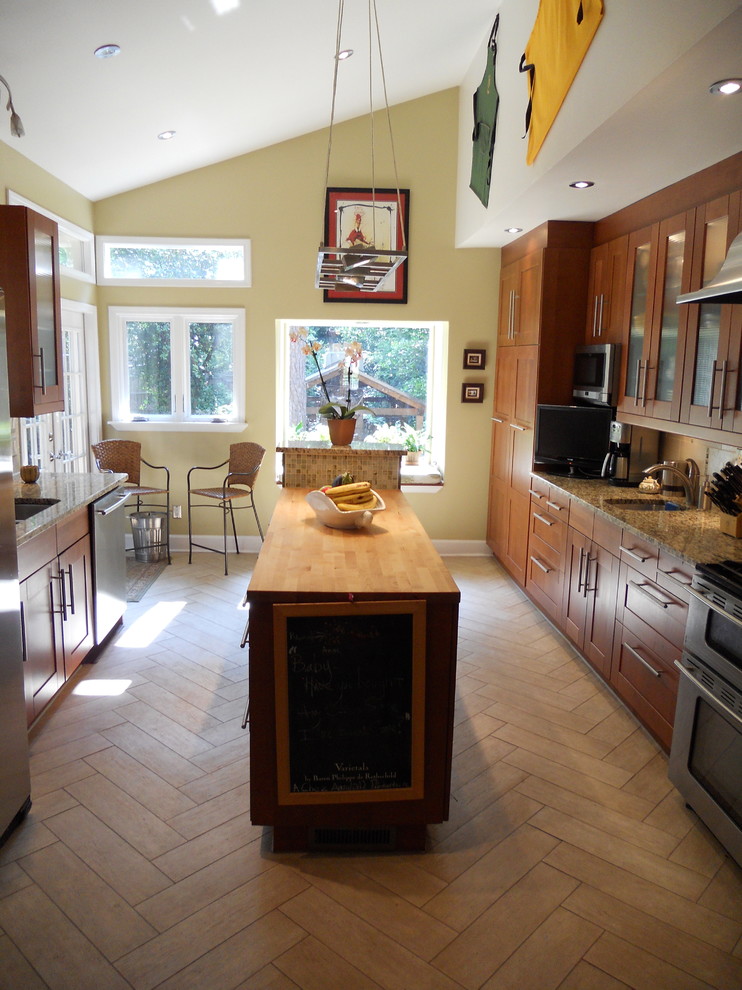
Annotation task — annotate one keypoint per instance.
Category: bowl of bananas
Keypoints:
(349, 506)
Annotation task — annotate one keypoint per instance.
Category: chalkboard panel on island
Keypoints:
(350, 691)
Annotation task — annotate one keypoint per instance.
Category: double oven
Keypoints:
(706, 754)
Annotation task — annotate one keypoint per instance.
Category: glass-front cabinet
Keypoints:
(659, 270)
(29, 274)
(713, 385)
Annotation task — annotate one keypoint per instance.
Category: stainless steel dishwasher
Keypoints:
(108, 529)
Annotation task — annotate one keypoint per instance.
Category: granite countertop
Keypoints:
(73, 491)
(692, 535)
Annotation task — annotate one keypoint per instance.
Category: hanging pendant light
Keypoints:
(16, 124)
(365, 264)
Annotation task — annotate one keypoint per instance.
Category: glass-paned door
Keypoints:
(60, 441)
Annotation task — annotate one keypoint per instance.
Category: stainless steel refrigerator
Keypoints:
(15, 780)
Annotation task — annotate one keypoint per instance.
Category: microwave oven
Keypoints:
(595, 379)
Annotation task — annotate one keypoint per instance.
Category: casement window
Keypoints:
(177, 368)
(173, 261)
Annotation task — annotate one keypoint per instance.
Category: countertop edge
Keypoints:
(74, 492)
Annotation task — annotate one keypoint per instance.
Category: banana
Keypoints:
(354, 499)
(342, 491)
(357, 506)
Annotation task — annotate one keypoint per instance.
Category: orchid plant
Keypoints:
(348, 365)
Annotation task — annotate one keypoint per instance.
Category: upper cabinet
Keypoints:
(659, 269)
(711, 395)
(520, 301)
(29, 276)
(606, 292)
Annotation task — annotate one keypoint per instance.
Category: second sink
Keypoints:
(25, 508)
(642, 505)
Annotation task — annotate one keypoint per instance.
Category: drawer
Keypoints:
(544, 576)
(539, 489)
(36, 552)
(582, 517)
(549, 528)
(639, 553)
(607, 534)
(72, 529)
(675, 575)
(662, 612)
(647, 682)
(558, 503)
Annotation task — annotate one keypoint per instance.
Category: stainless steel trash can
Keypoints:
(150, 536)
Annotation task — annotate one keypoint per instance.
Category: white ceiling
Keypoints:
(261, 73)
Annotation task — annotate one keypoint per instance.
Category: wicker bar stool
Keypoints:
(242, 472)
(125, 457)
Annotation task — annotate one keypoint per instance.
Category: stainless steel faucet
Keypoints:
(690, 485)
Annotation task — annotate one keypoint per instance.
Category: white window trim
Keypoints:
(437, 372)
(117, 319)
(84, 237)
(104, 241)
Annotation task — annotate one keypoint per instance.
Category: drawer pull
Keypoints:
(543, 519)
(537, 495)
(642, 661)
(671, 574)
(543, 567)
(648, 594)
(635, 555)
(515, 426)
(496, 419)
(553, 505)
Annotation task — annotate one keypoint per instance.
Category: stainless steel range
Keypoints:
(706, 754)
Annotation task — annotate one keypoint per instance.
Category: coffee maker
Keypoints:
(631, 449)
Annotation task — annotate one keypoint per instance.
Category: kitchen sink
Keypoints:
(25, 508)
(642, 505)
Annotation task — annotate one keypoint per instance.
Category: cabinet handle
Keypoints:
(600, 315)
(710, 408)
(596, 332)
(636, 383)
(723, 389)
(644, 384)
(553, 505)
(515, 426)
(586, 587)
(671, 574)
(642, 661)
(42, 371)
(496, 419)
(543, 519)
(535, 494)
(72, 589)
(579, 571)
(634, 554)
(648, 594)
(513, 304)
(24, 645)
(543, 567)
(63, 609)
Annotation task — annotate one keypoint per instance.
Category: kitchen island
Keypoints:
(352, 637)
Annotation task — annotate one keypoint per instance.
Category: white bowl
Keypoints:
(329, 514)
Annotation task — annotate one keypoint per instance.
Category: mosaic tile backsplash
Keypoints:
(314, 467)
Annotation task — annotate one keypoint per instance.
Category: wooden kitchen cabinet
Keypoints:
(659, 269)
(55, 571)
(547, 542)
(606, 292)
(29, 274)
(520, 301)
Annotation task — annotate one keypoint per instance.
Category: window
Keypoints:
(400, 378)
(177, 368)
(76, 254)
(178, 261)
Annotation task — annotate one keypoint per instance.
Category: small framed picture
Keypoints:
(472, 392)
(475, 358)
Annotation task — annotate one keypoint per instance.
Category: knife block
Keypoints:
(731, 525)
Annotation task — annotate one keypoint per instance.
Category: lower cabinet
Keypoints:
(589, 604)
(56, 608)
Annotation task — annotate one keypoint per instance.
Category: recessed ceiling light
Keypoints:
(166, 135)
(726, 86)
(345, 53)
(581, 184)
(106, 51)
(513, 230)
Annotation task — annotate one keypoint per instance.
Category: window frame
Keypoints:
(67, 230)
(179, 319)
(103, 242)
(437, 376)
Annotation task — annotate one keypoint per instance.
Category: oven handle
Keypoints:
(705, 691)
(714, 607)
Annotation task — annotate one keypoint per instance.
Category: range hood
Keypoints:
(726, 287)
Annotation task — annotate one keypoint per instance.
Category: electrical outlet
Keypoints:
(177, 511)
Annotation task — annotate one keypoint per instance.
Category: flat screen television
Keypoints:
(572, 439)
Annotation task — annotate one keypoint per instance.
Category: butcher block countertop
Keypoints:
(392, 557)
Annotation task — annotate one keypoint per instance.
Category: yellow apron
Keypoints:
(561, 36)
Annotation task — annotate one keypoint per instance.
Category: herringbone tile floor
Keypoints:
(568, 861)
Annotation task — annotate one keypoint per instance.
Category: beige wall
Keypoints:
(276, 197)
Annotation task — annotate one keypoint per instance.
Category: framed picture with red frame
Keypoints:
(374, 218)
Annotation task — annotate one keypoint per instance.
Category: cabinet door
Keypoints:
(646, 680)
(528, 309)
(639, 279)
(601, 579)
(605, 323)
(75, 579)
(669, 321)
(574, 603)
(43, 670)
(29, 273)
(711, 382)
(509, 281)
(515, 553)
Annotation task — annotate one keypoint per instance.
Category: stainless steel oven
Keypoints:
(706, 753)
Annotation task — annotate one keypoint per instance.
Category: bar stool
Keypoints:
(243, 467)
(125, 457)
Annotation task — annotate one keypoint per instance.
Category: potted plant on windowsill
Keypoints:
(341, 416)
(415, 444)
